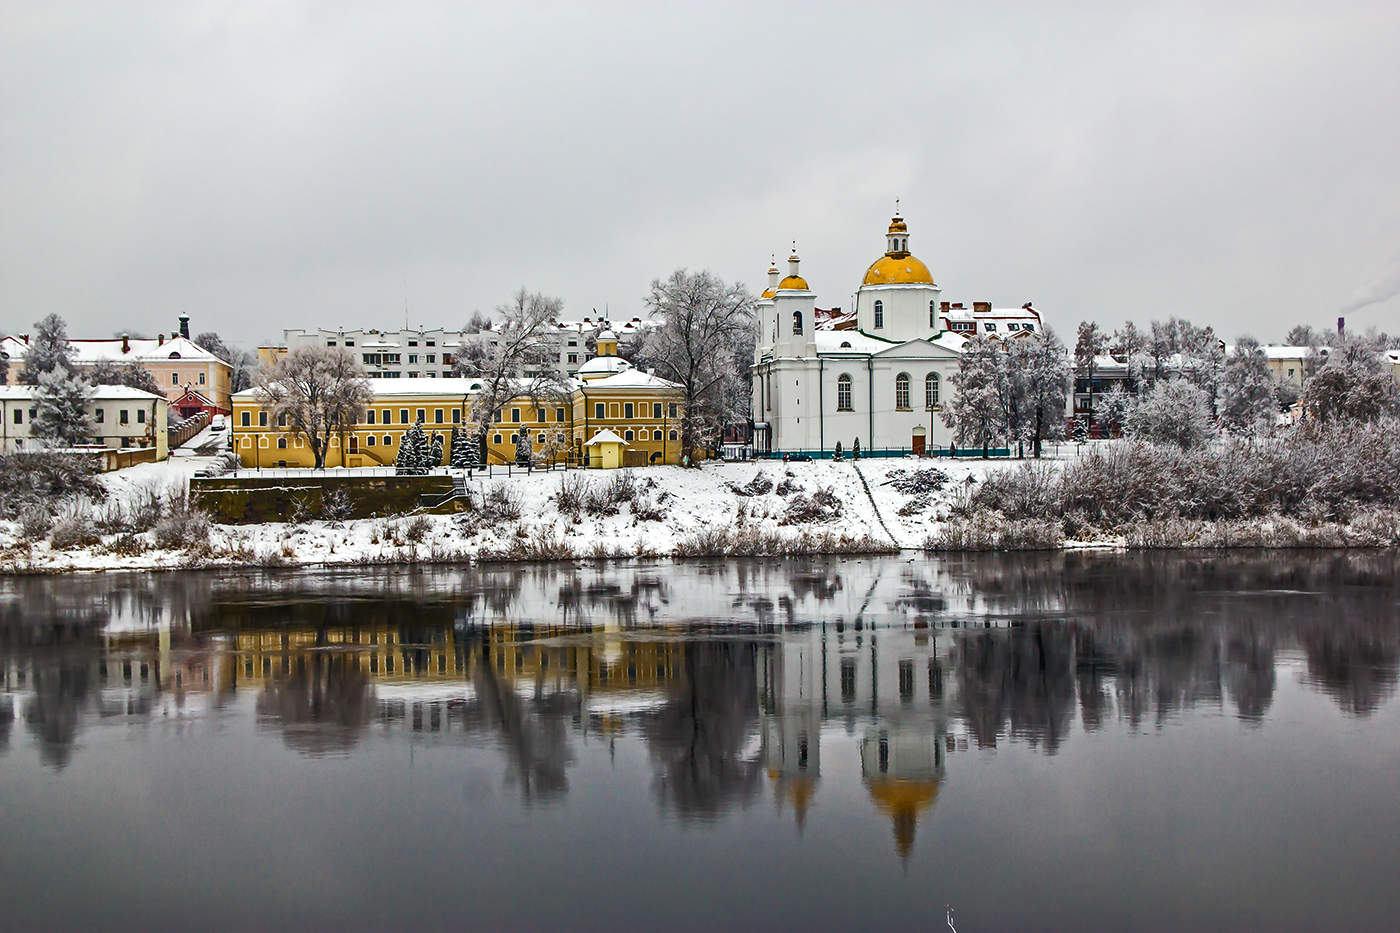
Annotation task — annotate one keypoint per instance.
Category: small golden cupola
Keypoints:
(773, 274)
(607, 343)
(793, 281)
(898, 266)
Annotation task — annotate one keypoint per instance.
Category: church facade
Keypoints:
(881, 376)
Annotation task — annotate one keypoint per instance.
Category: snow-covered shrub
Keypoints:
(45, 478)
(644, 509)
(986, 530)
(620, 488)
(573, 493)
(760, 485)
(788, 485)
(823, 505)
(128, 544)
(335, 505)
(917, 482)
(35, 520)
(501, 503)
(1173, 412)
(182, 525)
(417, 528)
(74, 528)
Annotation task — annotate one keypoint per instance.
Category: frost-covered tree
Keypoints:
(1114, 407)
(524, 450)
(4, 368)
(435, 451)
(1089, 345)
(415, 452)
(319, 391)
(1048, 374)
(48, 350)
(975, 413)
(61, 416)
(1130, 345)
(130, 373)
(1173, 412)
(704, 329)
(1014, 390)
(1355, 385)
(1302, 336)
(1247, 389)
(517, 361)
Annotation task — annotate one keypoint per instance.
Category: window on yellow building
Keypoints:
(456, 416)
(515, 416)
(495, 438)
(388, 440)
(437, 416)
(403, 416)
(539, 415)
(281, 443)
(628, 411)
(262, 419)
(673, 436)
(598, 409)
(656, 435)
(656, 409)
(559, 415)
(422, 415)
(673, 409)
(282, 420)
(247, 418)
(628, 436)
(369, 441)
(369, 416)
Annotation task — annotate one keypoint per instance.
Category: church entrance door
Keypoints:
(918, 445)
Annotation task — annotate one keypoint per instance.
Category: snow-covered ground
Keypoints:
(671, 509)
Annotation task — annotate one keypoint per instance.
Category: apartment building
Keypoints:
(429, 353)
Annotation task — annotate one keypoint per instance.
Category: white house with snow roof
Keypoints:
(883, 377)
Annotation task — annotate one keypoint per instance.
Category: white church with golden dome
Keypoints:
(881, 376)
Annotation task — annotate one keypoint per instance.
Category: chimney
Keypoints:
(185, 326)
(126, 343)
(981, 307)
(943, 306)
(160, 339)
(957, 306)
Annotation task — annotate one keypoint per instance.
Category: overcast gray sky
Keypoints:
(268, 165)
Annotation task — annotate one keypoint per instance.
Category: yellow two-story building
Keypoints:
(609, 394)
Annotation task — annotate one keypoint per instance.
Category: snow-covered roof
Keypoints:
(631, 378)
(86, 352)
(1281, 351)
(601, 365)
(103, 392)
(393, 388)
(606, 436)
(854, 341)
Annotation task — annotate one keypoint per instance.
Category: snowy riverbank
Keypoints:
(765, 508)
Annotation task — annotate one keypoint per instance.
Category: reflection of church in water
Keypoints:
(876, 694)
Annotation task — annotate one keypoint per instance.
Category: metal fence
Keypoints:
(495, 469)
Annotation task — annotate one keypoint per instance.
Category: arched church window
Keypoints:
(797, 322)
(879, 314)
(931, 390)
(843, 393)
(901, 391)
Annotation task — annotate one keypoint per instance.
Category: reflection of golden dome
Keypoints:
(793, 281)
(903, 801)
(898, 269)
(798, 791)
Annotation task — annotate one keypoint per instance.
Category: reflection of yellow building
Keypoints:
(378, 651)
(639, 407)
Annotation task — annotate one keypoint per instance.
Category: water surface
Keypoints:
(1049, 741)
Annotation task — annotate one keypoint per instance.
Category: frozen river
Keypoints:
(1056, 741)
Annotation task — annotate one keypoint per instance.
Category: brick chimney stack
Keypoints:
(184, 326)
(126, 343)
(160, 340)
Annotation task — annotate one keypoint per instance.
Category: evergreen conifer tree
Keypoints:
(855, 449)
(48, 350)
(415, 452)
(435, 451)
(61, 402)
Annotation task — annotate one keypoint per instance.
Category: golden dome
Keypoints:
(897, 269)
(768, 293)
(796, 281)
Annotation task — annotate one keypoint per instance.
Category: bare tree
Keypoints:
(699, 343)
(318, 391)
(518, 362)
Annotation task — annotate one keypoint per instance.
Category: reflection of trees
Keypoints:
(1354, 664)
(533, 730)
(321, 707)
(697, 737)
(1023, 678)
(61, 687)
(7, 720)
